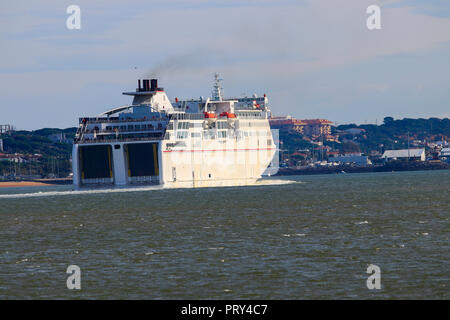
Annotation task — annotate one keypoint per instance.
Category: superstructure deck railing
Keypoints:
(99, 141)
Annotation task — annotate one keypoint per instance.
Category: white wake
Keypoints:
(262, 182)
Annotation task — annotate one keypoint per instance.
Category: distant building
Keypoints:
(281, 121)
(311, 128)
(354, 159)
(445, 152)
(350, 154)
(434, 144)
(417, 143)
(316, 128)
(4, 157)
(445, 155)
(415, 154)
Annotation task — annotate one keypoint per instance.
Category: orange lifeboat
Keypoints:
(227, 114)
(209, 115)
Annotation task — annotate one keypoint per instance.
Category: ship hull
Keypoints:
(192, 163)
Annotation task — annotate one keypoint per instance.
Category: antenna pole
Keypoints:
(217, 89)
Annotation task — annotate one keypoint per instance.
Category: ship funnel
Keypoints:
(148, 85)
(154, 84)
(145, 85)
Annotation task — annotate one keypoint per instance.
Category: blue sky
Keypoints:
(313, 58)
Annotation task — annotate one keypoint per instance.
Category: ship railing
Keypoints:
(186, 116)
(112, 131)
(80, 132)
(93, 141)
(117, 120)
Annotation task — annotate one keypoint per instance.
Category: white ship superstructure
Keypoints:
(184, 143)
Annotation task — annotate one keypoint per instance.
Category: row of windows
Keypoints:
(125, 136)
(222, 125)
(206, 135)
(221, 134)
(186, 125)
(182, 134)
(249, 114)
(183, 125)
(134, 127)
(187, 116)
(251, 99)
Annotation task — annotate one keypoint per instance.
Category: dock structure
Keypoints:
(415, 154)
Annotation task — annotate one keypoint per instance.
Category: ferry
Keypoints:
(201, 142)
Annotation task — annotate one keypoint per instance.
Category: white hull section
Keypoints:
(206, 167)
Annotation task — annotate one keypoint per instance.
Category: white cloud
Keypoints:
(287, 39)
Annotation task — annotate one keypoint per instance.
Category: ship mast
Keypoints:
(217, 89)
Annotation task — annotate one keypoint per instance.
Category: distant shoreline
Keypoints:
(414, 166)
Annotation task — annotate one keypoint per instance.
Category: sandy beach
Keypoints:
(10, 184)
